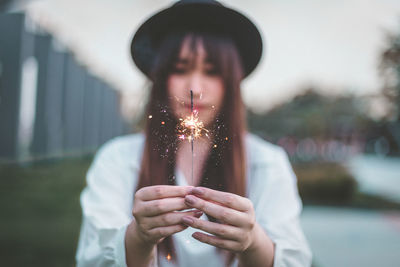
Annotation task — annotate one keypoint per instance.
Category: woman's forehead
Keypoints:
(193, 48)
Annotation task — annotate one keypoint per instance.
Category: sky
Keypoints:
(331, 45)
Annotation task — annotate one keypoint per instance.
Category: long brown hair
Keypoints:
(225, 168)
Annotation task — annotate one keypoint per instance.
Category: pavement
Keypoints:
(341, 237)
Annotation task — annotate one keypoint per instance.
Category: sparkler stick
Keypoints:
(191, 132)
(191, 128)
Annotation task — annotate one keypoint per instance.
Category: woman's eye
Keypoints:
(178, 70)
(211, 71)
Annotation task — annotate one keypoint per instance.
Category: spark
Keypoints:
(163, 122)
(191, 127)
(169, 257)
(150, 116)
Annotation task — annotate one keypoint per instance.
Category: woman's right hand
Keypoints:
(158, 212)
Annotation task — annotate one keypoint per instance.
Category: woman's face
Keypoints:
(196, 73)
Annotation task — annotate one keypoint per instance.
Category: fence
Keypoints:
(49, 104)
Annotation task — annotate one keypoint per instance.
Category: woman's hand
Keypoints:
(156, 211)
(236, 229)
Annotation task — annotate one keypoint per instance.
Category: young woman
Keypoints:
(144, 205)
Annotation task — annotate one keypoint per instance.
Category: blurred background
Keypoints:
(327, 90)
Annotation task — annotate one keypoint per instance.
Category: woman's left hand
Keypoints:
(236, 229)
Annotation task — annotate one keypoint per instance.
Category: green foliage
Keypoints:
(325, 183)
(331, 184)
(390, 71)
(41, 213)
(362, 200)
(311, 115)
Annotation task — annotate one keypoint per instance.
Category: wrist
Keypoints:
(256, 239)
(260, 251)
(138, 251)
(136, 238)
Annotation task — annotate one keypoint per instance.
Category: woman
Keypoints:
(239, 204)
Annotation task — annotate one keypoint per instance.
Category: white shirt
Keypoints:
(107, 203)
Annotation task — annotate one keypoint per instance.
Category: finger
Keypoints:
(223, 214)
(159, 206)
(160, 232)
(162, 191)
(227, 199)
(217, 241)
(170, 218)
(222, 230)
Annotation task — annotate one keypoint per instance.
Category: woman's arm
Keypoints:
(111, 233)
(105, 209)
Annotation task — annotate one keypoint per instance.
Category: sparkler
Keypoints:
(191, 127)
(191, 130)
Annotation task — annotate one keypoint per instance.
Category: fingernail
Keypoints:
(190, 188)
(190, 200)
(197, 191)
(196, 235)
(198, 213)
(187, 220)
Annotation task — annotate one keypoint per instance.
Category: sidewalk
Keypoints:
(352, 237)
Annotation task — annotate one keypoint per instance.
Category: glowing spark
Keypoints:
(215, 146)
(191, 127)
(213, 106)
(150, 116)
(163, 122)
(169, 257)
(226, 138)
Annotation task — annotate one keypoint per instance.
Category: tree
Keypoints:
(311, 114)
(390, 70)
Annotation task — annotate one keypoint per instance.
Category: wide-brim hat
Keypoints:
(197, 15)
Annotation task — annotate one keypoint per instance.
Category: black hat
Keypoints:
(202, 15)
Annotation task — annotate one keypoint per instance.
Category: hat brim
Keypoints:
(197, 16)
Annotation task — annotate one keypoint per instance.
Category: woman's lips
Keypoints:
(195, 107)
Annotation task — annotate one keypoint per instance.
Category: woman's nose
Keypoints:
(195, 84)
